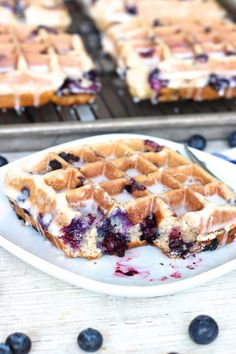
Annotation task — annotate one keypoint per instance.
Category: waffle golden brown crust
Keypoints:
(27, 100)
(96, 199)
(40, 65)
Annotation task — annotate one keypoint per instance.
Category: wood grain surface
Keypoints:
(53, 313)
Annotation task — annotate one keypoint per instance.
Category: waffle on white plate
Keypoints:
(108, 12)
(51, 13)
(99, 199)
(168, 63)
(39, 64)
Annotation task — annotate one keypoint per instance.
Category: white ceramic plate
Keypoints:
(156, 274)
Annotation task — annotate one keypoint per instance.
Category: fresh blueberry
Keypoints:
(152, 146)
(90, 340)
(202, 58)
(131, 9)
(46, 28)
(5, 349)
(114, 244)
(155, 82)
(133, 185)
(232, 139)
(91, 75)
(3, 161)
(197, 142)
(73, 87)
(218, 83)
(156, 23)
(19, 343)
(24, 195)
(68, 157)
(55, 165)
(203, 329)
(149, 229)
(147, 52)
(212, 246)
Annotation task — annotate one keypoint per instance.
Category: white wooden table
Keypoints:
(52, 313)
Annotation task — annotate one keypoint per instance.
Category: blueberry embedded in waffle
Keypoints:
(101, 199)
(156, 12)
(39, 65)
(169, 63)
(52, 13)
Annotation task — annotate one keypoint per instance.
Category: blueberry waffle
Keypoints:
(155, 12)
(51, 13)
(38, 65)
(101, 199)
(168, 63)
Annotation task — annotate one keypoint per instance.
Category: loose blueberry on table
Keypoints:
(203, 329)
(3, 161)
(232, 140)
(197, 141)
(90, 340)
(19, 343)
(5, 349)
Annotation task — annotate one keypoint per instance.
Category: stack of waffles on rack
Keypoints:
(52, 13)
(91, 200)
(38, 65)
(169, 50)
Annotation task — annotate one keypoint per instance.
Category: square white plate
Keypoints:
(143, 272)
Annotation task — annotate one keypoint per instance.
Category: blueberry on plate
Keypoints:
(203, 329)
(19, 343)
(90, 340)
(5, 349)
(197, 142)
(232, 139)
(3, 161)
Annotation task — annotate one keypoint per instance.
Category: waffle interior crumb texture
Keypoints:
(101, 199)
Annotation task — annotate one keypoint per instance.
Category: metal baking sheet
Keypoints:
(113, 111)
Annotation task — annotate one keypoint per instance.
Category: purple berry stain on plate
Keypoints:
(123, 269)
(176, 275)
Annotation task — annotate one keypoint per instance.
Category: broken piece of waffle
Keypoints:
(40, 65)
(174, 62)
(101, 199)
(51, 13)
(158, 12)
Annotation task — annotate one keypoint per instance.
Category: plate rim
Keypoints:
(106, 287)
